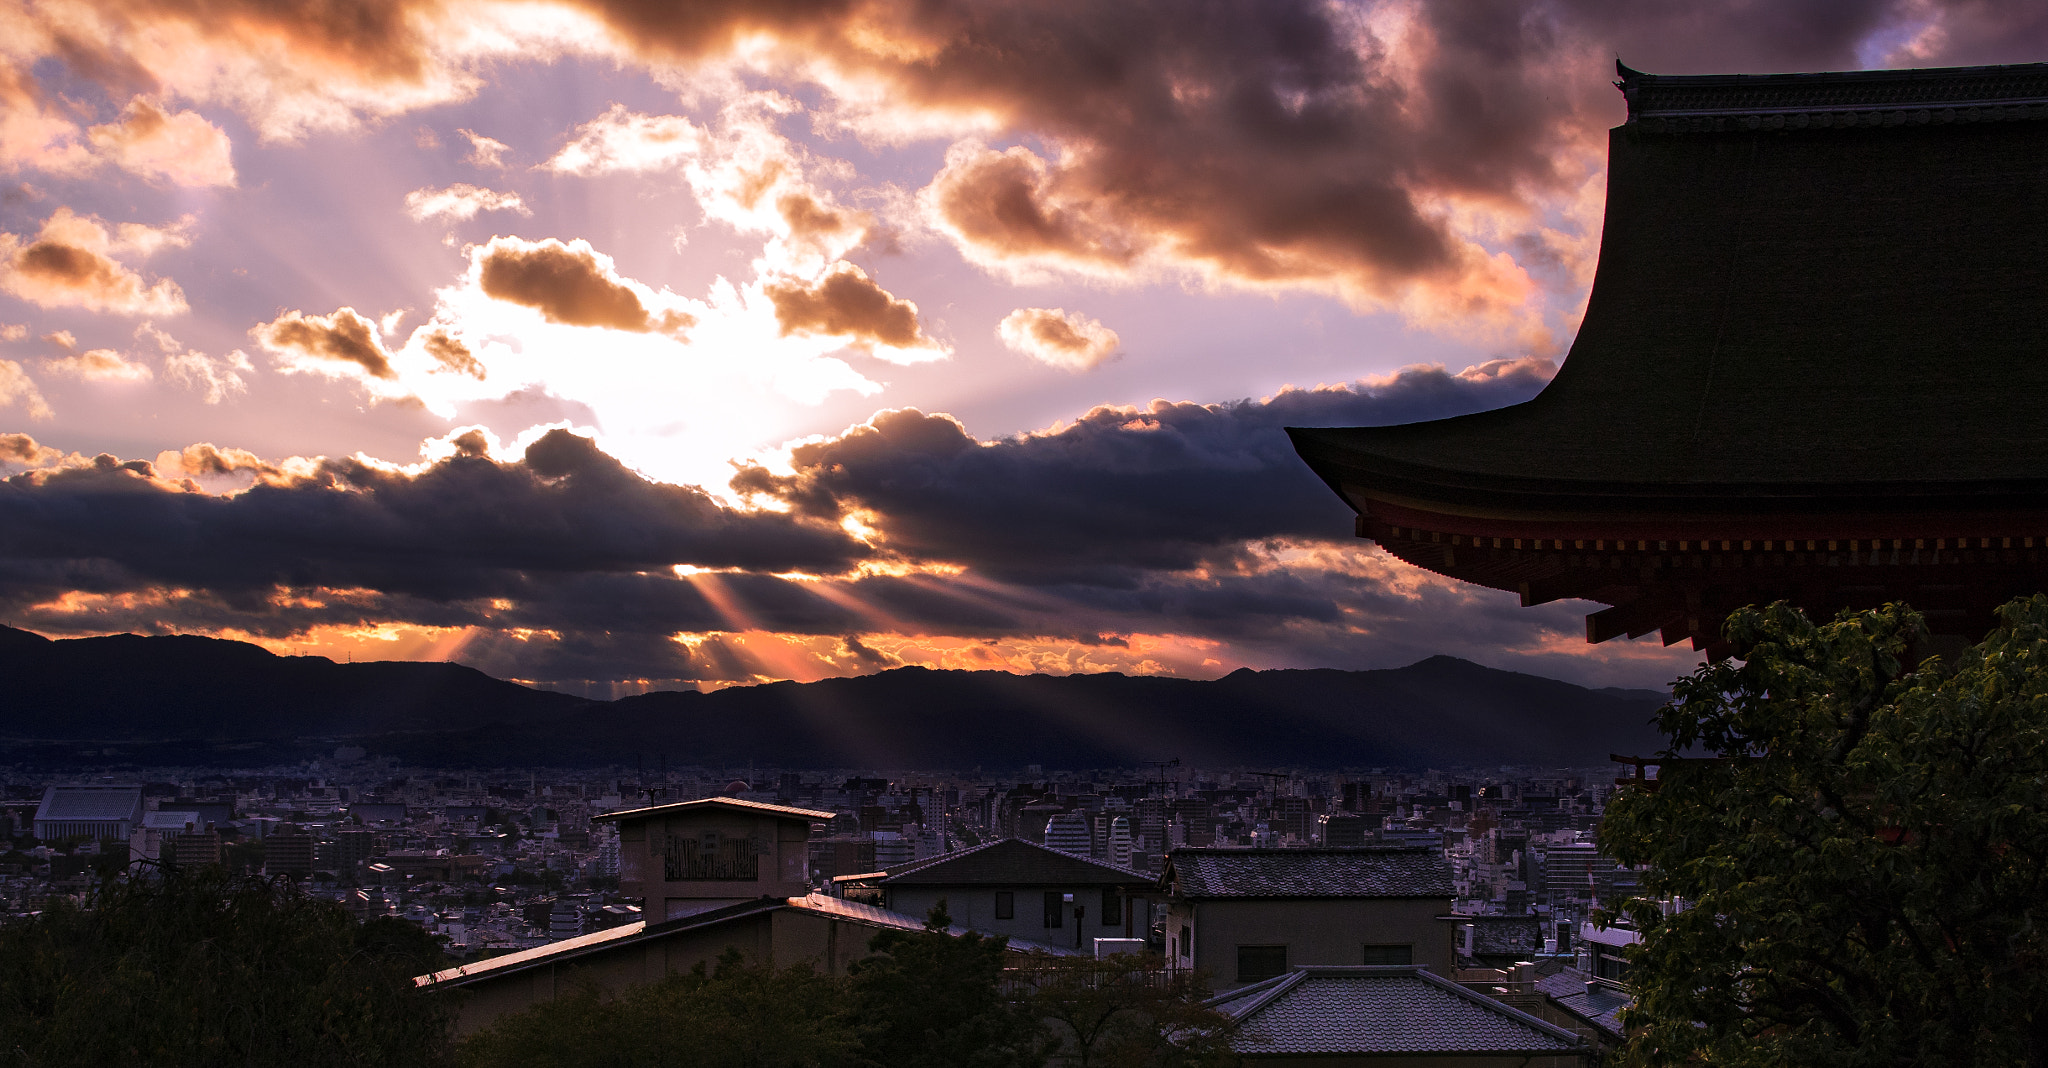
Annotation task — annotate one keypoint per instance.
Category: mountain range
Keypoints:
(131, 699)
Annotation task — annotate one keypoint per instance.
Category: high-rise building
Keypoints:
(194, 850)
(1120, 844)
(288, 853)
(1068, 833)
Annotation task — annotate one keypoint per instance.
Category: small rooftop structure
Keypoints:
(1383, 1012)
(1810, 370)
(695, 856)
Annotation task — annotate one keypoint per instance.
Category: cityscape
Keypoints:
(498, 861)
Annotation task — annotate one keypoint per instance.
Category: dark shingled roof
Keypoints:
(731, 804)
(1783, 322)
(1701, 103)
(1336, 1011)
(1247, 873)
(1598, 1004)
(1011, 862)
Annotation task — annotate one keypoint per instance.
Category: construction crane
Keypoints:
(1273, 779)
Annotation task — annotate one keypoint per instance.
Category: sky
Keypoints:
(617, 345)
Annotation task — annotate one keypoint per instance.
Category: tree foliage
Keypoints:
(922, 999)
(202, 968)
(737, 1015)
(1129, 1012)
(935, 1000)
(1864, 850)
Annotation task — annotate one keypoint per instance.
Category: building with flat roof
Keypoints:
(104, 812)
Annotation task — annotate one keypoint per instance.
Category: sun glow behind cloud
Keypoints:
(893, 332)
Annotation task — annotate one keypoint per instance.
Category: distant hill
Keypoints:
(201, 700)
(127, 686)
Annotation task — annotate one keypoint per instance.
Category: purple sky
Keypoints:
(618, 345)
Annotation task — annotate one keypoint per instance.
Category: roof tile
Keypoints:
(1369, 872)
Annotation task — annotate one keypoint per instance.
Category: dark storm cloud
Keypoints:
(1285, 141)
(1093, 525)
(466, 527)
(1169, 487)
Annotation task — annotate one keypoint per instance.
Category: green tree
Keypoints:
(204, 968)
(1863, 850)
(738, 1015)
(935, 1000)
(1129, 1012)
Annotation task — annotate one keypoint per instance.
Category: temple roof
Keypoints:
(1834, 318)
(1715, 102)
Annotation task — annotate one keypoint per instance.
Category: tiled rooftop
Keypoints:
(1339, 1011)
(1599, 1005)
(1228, 873)
(1011, 862)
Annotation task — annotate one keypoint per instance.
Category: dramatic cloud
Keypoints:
(1169, 487)
(847, 303)
(460, 201)
(572, 284)
(341, 343)
(1050, 335)
(18, 390)
(1393, 154)
(622, 140)
(69, 263)
(99, 365)
(1137, 539)
(461, 529)
(178, 147)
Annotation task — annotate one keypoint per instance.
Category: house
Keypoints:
(1246, 915)
(103, 812)
(695, 856)
(826, 932)
(1379, 1017)
(1585, 1004)
(1025, 891)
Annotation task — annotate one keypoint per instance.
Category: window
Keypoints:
(1390, 954)
(1187, 940)
(1006, 905)
(1112, 907)
(1054, 914)
(1260, 962)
